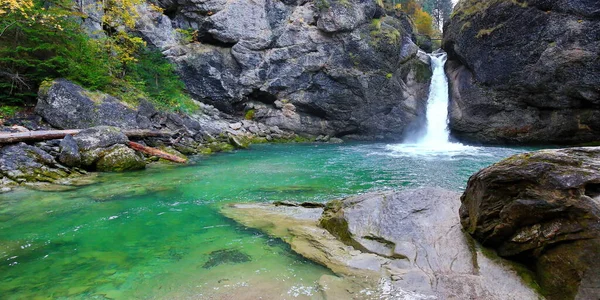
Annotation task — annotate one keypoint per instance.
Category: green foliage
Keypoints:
(32, 51)
(7, 111)
(249, 114)
(44, 41)
(155, 76)
(187, 36)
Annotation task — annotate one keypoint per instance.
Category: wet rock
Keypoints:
(69, 152)
(238, 142)
(524, 71)
(542, 208)
(226, 256)
(119, 158)
(394, 245)
(22, 162)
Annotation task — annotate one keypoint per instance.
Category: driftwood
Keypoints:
(156, 152)
(42, 135)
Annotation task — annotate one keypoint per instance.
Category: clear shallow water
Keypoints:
(157, 233)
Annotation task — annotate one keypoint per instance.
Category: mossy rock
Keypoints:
(220, 147)
(120, 158)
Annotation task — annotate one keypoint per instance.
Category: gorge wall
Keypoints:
(331, 67)
(524, 72)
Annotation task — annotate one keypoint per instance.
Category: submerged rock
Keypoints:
(542, 208)
(393, 244)
(524, 71)
(226, 256)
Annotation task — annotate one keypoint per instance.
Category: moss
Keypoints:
(250, 114)
(220, 147)
(119, 159)
(423, 71)
(97, 97)
(383, 33)
(488, 31)
(205, 151)
(468, 8)
(465, 26)
(45, 87)
(258, 140)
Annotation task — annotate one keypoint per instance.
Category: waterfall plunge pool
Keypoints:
(157, 234)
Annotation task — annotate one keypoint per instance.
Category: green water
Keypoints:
(157, 234)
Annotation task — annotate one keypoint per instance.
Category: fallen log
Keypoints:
(42, 135)
(156, 152)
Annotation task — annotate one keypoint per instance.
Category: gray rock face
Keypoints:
(341, 71)
(69, 152)
(420, 231)
(395, 245)
(66, 105)
(22, 162)
(542, 208)
(524, 73)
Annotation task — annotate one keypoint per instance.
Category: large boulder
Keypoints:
(93, 143)
(339, 66)
(408, 243)
(524, 71)
(542, 208)
(66, 105)
(119, 158)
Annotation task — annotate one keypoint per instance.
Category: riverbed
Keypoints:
(158, 234)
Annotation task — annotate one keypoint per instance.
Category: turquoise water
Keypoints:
(157, 234)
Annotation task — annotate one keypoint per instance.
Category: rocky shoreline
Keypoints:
(103, 146)
(410, 244)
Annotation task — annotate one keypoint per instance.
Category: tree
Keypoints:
(440, 10)
(43, 39)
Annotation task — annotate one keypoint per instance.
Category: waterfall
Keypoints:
(435, 141)
(437, 104)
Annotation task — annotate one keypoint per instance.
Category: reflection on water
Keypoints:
(158, 234)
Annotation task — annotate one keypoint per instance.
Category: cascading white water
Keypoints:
(437, 104)
(436, 140)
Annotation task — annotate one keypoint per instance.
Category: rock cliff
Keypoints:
(524, 71)
(330, 67)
